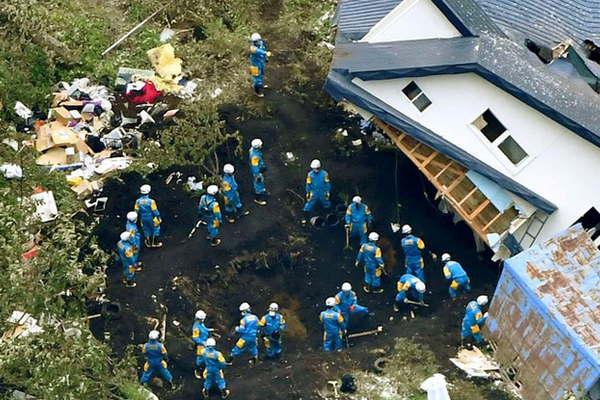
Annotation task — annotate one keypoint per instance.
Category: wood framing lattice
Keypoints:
(449, 178)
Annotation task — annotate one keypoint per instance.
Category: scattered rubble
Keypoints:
(45, 206)
(23, 325)
(475, 363)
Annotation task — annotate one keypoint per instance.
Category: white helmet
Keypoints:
(330, 302)
(154, 335)
(373, 236)
(356, 199)
(273, 307)
(228, 169)
(420, 286)
(244, 307)
(210, 342)
(256, 143)
(445, 257)
(255, 36)
(132, 216)
(482, 300)
(346, 286)
(201, 315)
(315, 164)
(145, 189)
(125, 236)
(406, 229)
(212, 189)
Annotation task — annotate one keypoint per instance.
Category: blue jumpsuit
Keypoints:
(347, 304)
(258, 60)
(257, 165)
(127, 255)
(136, 237)
(271, 327)
(155, 353)
(407, 289)
(149, 215)
(233, 204)
(459, 280)
(412, 247)
(358, 216)
(248, 330)
(213, 362)
(473, 322)
(210, 212)
(370, 256)
(333, 329)
(318, 188)
(199, 335)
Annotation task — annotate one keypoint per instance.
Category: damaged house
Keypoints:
(544, 323)
(494, 101)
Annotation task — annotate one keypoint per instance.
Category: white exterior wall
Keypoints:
(561, 167)
(412, 20)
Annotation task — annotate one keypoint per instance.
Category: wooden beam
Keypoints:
(487, 226)
(455, 182)
(430, 159)
(468, 196)
(415, 148)
(444, 169)
(479, 209)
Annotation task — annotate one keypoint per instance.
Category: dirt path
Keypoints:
(299, 282)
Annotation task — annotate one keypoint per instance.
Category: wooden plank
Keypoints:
(479, 209)
(444, 169)
(468, 196)
(429, 159)
(415, 148)
(455, 182)
(487, 226)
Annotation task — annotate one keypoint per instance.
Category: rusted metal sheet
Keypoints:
(545, 317)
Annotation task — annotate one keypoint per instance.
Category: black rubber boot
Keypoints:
(225, 393)
(148, 242)
(156, 242)
(260, 199)
(215, 242)
(130, 284)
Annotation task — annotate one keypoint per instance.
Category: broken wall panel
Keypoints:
(543, 320)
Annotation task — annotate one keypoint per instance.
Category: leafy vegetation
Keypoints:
(45, 42)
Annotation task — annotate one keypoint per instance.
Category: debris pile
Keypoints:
(89, 127)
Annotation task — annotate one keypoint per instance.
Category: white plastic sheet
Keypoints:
(436, 387)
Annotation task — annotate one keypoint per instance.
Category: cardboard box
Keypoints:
(54, 156)
(62, 115)
(63, 136)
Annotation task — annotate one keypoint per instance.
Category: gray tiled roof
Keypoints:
(546, 21)
(356, 17)
(501, 61)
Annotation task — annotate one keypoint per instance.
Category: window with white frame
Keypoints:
(497, 134)
(416, 96)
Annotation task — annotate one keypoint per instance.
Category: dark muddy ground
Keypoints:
(268, 256)
(299, 282)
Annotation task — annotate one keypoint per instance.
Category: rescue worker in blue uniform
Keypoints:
(412, 247)
(200, 334)
(409, 287)
(257, 169)
(318, 189)
(213, 363)
(259, 55)
(370, 256)
(456, 275)
(248, 331)
(271, 325)
(210, 214)
(358, 218)
(156, 360)
(347, 304)
(473, 321)
(126, 250)
(136, 237)
(148, 212)
(231, 195)
(333, 326)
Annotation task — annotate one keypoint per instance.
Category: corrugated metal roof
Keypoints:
(356, 17)
(501, 61)
(564, 273)
(547, 21)
(468, 17)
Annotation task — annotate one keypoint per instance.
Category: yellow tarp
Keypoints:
(164, 61)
